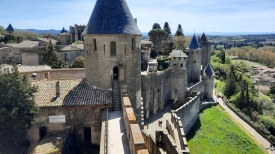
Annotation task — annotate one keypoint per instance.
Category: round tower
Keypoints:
(112, 48)
(193, 51)
(208, 77)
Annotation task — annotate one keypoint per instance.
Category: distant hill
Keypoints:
(52, 31)
(145, 34)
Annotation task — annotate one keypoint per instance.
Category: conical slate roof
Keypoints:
(194, 44)
(10, 28)
(208, 70)
(63, 31)
(111, 17)
(203, 38)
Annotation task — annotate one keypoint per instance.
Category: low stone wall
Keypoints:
(206, 105)
(189, 112)
(198, 87)
(150, 144)
(133, 132)
(181, 135)
(70, 73)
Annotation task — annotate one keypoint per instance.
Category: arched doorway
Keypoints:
(115, 73)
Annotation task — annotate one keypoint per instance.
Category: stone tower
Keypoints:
(206, 50)
(112, 48)
(64, 37)
(208, 76)
(193, 51)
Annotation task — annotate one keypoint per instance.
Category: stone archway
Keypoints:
(115, 73)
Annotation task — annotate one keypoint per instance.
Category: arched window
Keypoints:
(95, 48)
(113, 48)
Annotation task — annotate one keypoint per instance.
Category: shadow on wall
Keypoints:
(194, 130)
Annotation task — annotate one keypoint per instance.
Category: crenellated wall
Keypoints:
(133, 132)
(189, 112)
(157, 88)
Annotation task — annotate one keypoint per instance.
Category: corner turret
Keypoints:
(10, 29)
(208, 76)
(178, 59)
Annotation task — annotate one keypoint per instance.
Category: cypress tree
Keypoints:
(179, 31)
(166, 28)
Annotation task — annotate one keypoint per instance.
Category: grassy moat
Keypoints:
(215, 133)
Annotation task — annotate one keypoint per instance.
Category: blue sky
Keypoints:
(198, 15)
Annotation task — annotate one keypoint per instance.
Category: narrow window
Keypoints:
(197, 51)
(125, 50)
(104, 48)
(133, 44)
(181, 65)
(95, 48)
(113, 48)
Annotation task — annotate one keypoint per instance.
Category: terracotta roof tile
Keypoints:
(74, 92)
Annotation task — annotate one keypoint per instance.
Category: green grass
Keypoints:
(220, 85)
(215, 133)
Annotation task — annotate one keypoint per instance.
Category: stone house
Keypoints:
(70, 52)
(67, 104)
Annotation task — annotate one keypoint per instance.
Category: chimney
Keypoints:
(57, 87)
(47, 76)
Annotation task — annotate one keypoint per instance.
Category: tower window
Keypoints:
(113, 48)
(181, 65)
(125, 50)
(104, 48)
(133, 44)
(95, 48)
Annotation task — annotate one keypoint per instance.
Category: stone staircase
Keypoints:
(116, 95)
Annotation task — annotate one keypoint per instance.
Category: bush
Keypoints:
(79, 62)
(164, 63)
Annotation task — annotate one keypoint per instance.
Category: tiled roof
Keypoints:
(47, 40)
(63, 31)
(178, 53)
(71, 48)
(208, 70)
(80, 46)
(203, 38)
(194, 44)
(74, 92)
(10, 28)
(111, 17)
(27, 44)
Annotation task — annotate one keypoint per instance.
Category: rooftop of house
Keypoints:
(111, 17)
(145, 42)
(46, 40)
(73, 48)
(73, 92)
(194, 44)
(25, 44)
(178, 53)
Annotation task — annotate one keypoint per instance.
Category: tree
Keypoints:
(17, 106)
(51, 58)
(2, 29)
(157, 36)
(179, 31)
(79, 62)
(166, 28)
(230, 84)
(156, 26)
(180, 42)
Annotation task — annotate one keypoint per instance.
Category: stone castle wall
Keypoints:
(189, 112)
(160, 87)
(198, 87)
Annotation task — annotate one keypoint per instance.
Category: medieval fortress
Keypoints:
(114, 80)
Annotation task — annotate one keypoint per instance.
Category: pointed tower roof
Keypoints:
(208, 71)
(194, 44)
(10, 28)
(63, 31)
(203, 38)
(111, 17)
